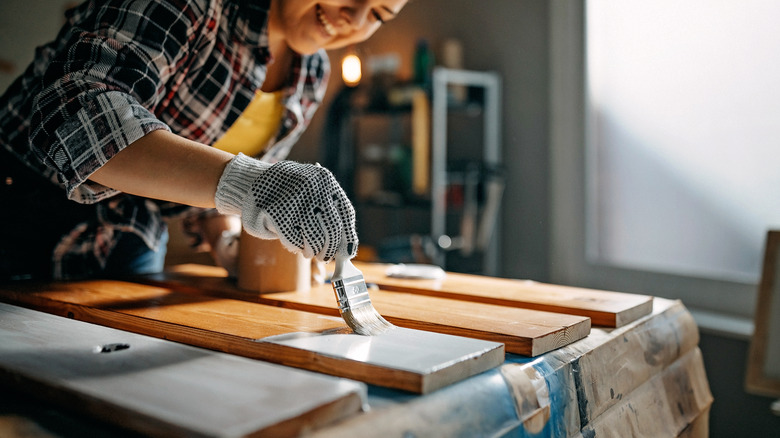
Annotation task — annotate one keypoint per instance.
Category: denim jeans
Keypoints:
(132, 256)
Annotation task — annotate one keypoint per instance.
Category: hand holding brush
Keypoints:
(307, 210)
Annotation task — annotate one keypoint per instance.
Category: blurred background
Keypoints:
(627, 147)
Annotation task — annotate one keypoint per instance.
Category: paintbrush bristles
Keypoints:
(365, 320)
(353, 300)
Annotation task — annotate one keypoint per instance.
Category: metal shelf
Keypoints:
(464, 165)
(491, 83)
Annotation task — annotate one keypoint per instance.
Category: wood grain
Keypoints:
(285, 336)
(609, 309)
(162, 388)
(668, 404)
(523, 331)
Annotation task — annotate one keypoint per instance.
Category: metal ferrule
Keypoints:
(351, 292)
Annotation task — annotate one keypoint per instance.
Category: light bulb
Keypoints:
(350, 70)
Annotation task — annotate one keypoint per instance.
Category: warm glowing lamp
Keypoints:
(350, 70)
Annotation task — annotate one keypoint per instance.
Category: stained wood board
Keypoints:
(523, 331)
(404, 359)
(605, 308)
(162, 388)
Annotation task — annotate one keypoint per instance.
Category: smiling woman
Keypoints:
(309, 25)
(128, 117)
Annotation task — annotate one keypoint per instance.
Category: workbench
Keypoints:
(644, 378)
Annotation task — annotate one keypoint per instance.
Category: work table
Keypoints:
(645, 375)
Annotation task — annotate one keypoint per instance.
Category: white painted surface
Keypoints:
(416, 351)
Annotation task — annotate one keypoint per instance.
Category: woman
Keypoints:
(110, 129)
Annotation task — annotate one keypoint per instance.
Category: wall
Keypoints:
(25, 24)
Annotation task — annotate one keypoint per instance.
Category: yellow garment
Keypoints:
(255, 127)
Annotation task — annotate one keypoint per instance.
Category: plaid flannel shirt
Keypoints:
(120, 69)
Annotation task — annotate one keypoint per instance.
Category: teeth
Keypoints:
(327, 25)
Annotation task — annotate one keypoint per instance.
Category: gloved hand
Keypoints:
(300, 204)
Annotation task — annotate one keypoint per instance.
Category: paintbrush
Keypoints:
(354, 303)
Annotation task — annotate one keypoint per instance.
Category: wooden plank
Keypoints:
(587, 386)
(523, 331)
(666, 405)
(405, 359)
(698, 428)
(526, 332)
(652, 344)
(595, 374)
(610, 309)
(162, 388)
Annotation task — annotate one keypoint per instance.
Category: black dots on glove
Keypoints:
(307, 208)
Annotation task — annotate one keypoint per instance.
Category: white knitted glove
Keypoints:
(300, 204)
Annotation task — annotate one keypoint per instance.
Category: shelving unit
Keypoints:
(422, 167)
(444, 78)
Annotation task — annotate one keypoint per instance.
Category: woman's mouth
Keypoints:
(327, 26)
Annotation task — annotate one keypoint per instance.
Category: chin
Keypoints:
(305, 50)
(305, 47)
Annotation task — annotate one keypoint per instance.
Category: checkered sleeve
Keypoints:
(105, 80)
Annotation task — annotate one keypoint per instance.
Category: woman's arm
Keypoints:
(301, 204)
(165, 166)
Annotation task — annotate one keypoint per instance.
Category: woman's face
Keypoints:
(309, 25)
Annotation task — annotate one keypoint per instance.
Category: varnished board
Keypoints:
(523, 331)
(411, 360)
(163, 388)
(609, 309)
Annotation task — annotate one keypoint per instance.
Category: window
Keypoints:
(664, 120)
(683, 134)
